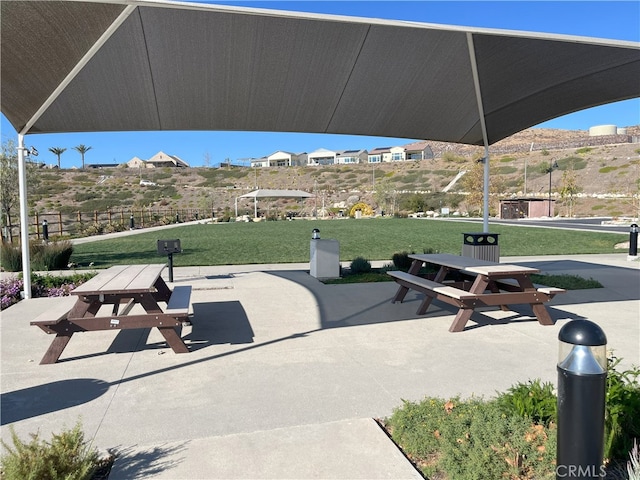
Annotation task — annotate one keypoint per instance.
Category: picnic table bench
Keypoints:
(119, 289)
(479, 283)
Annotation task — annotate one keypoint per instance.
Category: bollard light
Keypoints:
(315, 234)
(633, 240)
(582, 376)
(45, 230)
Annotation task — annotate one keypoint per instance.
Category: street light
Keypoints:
(552, 165)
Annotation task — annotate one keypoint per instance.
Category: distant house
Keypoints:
(418, 151)
(285, 159)
(351, 156)
(102, 165)
(136, 162)
(322, 156)
(259, 162)
(379, 154)
(161, 159)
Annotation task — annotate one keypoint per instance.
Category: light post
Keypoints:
(552, 165)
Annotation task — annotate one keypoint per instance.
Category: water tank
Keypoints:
(603, 130)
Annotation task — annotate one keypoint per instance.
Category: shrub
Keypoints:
(360, 265)
(67, 456)
(622, 410)
(401, 260)
(533, 400)
(10, 258)
(633, 465)
(44, 256)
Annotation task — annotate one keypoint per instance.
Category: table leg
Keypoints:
(173, 339)
(416, 265)
(56, 348)
(541, 314)
(462, 317)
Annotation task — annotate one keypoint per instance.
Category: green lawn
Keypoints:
(373, 239)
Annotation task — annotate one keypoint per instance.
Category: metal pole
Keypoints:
(582, 378)
(24, 218)
(550, 170)
(170, 255)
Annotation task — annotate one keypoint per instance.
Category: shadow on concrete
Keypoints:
(216, 323)
(50, 397)
(134, 463)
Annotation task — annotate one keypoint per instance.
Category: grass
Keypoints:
(288, 242)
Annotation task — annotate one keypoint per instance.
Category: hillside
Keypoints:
(606, 176)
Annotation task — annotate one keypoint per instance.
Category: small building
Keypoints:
(161, 159)
(526, 208)
(418, 151)
(347, 157)
(322, 156)
(136, 162)
(379, 155)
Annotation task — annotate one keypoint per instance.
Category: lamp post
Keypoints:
(552, 165)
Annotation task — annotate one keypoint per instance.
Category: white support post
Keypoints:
(24, 218)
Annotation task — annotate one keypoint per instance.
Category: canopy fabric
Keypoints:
(134, 65)
(277, 194)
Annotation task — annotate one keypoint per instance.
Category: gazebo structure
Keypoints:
(135, 65)
(272, 194)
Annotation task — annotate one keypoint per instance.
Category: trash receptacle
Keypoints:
(325, 257)
(483, 246)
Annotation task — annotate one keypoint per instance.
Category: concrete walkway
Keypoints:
(286, 375)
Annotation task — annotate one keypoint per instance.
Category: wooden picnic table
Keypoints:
(119, 289)
(479, 283)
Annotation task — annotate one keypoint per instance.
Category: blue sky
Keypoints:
(619, 20)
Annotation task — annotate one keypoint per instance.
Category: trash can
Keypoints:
(483, 246)
(325, 257)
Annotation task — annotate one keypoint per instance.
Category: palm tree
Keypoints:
(58, 152)
(82, 149)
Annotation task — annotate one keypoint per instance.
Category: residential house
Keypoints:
(379, 154)
(259, 162)
(161, 159)
(418, 151)
(136, 162)
(351, 156)
(322, 156)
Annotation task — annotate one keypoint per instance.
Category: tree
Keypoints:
(57, 151)
(82, 149)
(473, 183)
(569, 189)
(9, 181)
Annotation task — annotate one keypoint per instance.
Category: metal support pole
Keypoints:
(24, 219)
(170, 256)
(582, 377)
(131, 222)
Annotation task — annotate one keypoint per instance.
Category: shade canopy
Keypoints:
(263, 193)
(129, 65)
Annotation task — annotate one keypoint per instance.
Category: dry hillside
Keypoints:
(606, 177)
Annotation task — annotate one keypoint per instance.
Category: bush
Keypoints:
(10, 258)
(472, 439)
(360, 265)
(44, 256)
(51, 256)
(622, 410)
(402, 261)
(66, 457)
(533, 400)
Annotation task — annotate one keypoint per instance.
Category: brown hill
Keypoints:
(606, 172)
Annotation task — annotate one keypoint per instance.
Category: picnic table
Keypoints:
(478, 283)
(106, 301)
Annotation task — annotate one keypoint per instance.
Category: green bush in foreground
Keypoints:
(44, 256)
(514, 435)
(67, 456)
(360, 265)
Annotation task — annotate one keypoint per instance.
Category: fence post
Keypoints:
(109, 216)
(60, 222)
(142, 217)
(95, 217)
